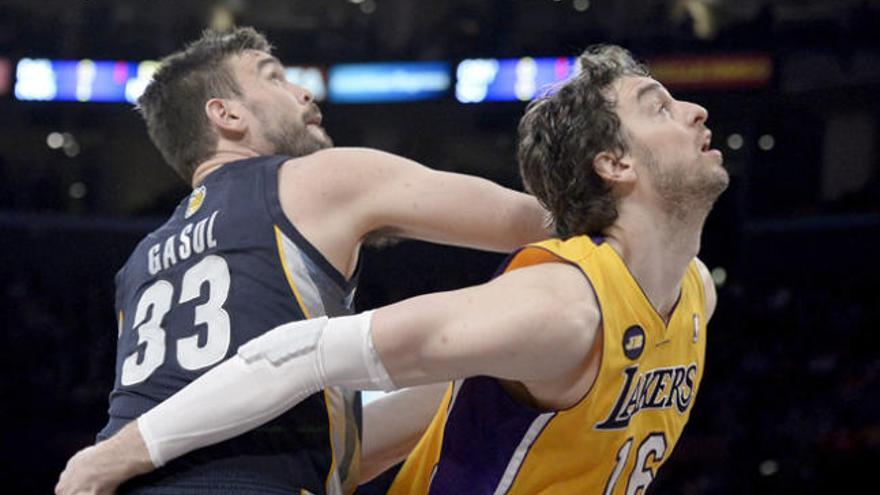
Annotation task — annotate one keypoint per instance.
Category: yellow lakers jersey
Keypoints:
(612, 442)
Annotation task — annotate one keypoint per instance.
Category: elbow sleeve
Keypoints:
(269, 375)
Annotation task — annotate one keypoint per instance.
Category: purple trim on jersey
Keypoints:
(597, 239)
(482, 432)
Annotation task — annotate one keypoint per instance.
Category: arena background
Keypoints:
(789, 403)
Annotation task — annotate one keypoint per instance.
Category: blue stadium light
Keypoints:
(513, 79)
(82, 80)
(389, 82)
(311, 78)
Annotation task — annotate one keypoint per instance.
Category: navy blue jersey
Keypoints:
(227, 267)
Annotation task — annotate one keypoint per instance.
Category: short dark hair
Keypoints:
(562, 133)
(173, 103)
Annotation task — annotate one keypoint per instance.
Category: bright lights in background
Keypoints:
(55, 140)
(512, 79)
(112, 81)
(477, 80)
(766, 142)
(716, 72)
(311, 78)
(473, 78)
(77, 190)
(35, 80)
(735, 141)
(64, 141)
(82, 80)
(135, 87)
(388, 82)
(581, 5)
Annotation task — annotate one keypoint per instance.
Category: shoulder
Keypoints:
(344, 173)
(569, 332)
(562, 295)
(708, 287)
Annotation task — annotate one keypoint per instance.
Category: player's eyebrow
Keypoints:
(270, 60)
(653, 86)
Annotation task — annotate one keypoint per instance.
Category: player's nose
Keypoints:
(303, 94)
(697, 114)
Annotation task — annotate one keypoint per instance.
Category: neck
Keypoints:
(217, 160)
(656, 249)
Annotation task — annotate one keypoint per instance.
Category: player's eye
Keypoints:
(664, 107)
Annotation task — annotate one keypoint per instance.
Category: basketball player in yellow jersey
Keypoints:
(574, 371)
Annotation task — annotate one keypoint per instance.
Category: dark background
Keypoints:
(789, 402)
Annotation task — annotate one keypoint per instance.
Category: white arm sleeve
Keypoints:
(269, 375)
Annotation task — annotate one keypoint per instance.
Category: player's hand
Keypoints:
(100, 469)
(92, 471)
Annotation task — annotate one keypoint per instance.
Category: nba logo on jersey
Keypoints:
(696, 328)
(195, 201)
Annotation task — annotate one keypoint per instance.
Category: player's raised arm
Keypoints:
(380, 193)
(533, 324)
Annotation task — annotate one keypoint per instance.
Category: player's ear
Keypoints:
(614, 169)
(226, 115)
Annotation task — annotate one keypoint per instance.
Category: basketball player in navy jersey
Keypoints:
(271, 233)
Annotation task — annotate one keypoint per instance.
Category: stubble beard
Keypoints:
(687, 194)
(292, 138)
(296, 141)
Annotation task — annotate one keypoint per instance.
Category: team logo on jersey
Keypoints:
(659, 388)
(633, 342)
(195, 201)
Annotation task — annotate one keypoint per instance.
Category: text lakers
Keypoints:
(659, 388)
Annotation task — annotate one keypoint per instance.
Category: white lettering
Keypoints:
(193, 238)
(168, 257)
(212, 242)
(185, 244)
(199, 236)
(153, 263)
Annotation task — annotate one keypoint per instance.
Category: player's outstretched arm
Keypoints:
(533, 324)
(375, 192)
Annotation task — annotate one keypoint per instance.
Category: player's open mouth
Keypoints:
(706, 147)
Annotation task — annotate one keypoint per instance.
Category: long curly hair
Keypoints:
(562, 133)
